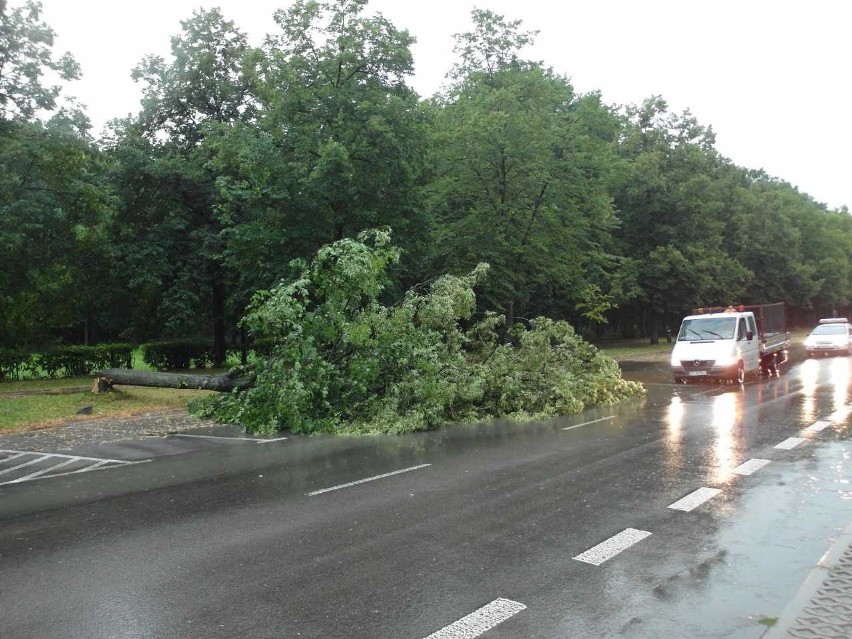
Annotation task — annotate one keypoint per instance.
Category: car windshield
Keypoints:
(707, 328)
(829, 329)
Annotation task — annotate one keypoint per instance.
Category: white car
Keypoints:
(833, 336)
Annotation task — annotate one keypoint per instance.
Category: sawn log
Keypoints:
(222, 383)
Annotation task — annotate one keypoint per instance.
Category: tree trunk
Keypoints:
(655, 328)
(219, 351)
(222, 383)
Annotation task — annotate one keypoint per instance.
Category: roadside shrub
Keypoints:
(115, 355)
(65, 361)
(49, 363)
(178, 354)
(13, 363)
(254, 350)
(77, 361)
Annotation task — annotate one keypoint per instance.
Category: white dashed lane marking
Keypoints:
(363, 481)
(594, 421)
(818, 426)
(789, 443)
(18, 466)
(695, 499)
(612, 546)
(751, 466)
(841, 414)
(480, 621)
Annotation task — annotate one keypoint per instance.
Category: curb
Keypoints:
(822, 608)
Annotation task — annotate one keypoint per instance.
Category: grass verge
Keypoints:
(34, 411)
(636, 350)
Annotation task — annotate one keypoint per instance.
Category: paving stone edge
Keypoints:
(798, 618)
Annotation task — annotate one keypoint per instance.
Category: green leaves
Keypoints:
(54, 209)
(523, 166)
(345, 362)
(25, 55)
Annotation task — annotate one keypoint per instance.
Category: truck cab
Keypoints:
(722, 346)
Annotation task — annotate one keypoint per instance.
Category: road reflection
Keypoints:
(674, 434)
(840, 378)
(727, 417)
(726, 422)
(808, 374)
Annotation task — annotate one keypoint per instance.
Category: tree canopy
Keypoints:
(243, 160)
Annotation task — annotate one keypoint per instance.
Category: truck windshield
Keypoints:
(707, 328)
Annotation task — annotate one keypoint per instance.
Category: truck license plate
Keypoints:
(697, 373)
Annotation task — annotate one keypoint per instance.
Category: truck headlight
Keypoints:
(727, 360)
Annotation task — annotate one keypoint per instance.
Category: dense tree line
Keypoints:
(241, 159)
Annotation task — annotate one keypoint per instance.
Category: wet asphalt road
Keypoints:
(407, 537)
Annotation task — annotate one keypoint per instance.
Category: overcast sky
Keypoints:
(772, 77)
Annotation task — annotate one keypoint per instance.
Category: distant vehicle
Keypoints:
(731, 343)
(833, 336)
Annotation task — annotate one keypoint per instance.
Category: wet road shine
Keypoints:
(694, 512)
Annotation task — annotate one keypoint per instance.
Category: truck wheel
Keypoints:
(740, 379)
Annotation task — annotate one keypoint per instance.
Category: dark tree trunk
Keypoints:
(124, 376)
(219, 350)
(655, 328)
(243, 346)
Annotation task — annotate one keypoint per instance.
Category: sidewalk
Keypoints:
(823, 606)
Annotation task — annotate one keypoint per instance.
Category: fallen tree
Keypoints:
(223, 383)
(344, 362)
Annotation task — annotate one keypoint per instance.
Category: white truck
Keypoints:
(731, 343)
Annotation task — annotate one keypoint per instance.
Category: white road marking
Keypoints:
(612, 546)
(25, 464)
(98, 466)
(43, 471)
(96, 459)
(818, 426)
(840, 414)
(789, 443)
(751, 466)
(67, 460)
(594, 421)
(480, 621)
(707, 392)
(363, 481)
(238, 439)
(695, 499)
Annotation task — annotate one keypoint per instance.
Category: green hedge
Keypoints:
(255, 349)
(13, 363)
(65, 361)
(178, 354)
(76, 361)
